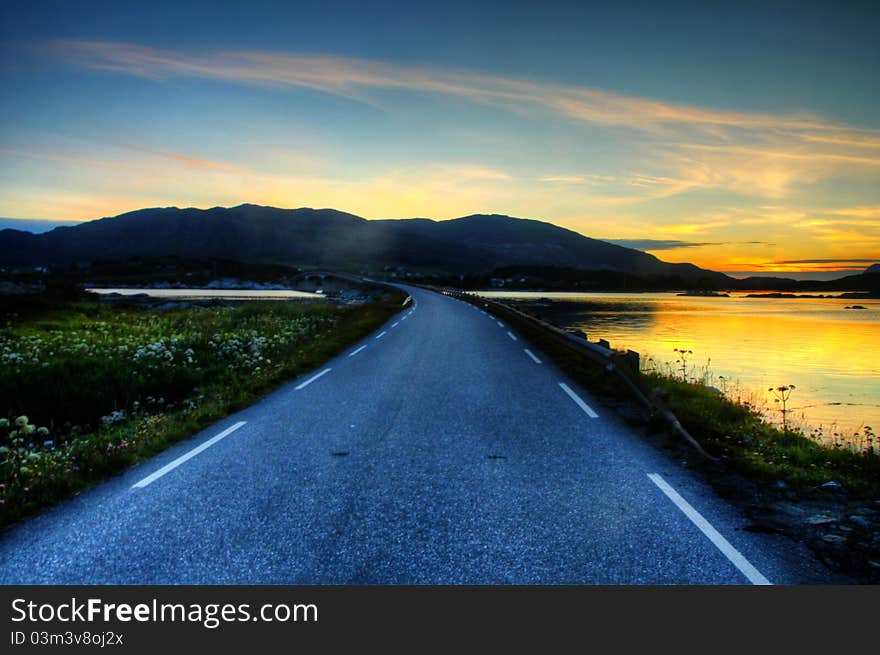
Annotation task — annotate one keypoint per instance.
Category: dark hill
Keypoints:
(334, 239)
(506, 241)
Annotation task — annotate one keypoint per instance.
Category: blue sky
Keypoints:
(739, 136)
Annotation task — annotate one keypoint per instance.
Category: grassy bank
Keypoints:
(754, 446)
(88, 389)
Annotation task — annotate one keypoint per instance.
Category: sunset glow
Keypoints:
(745, 166)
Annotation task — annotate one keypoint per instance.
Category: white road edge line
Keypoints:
(580, 403)
(355, 352)
(532, 355)
(381, 334)
(512, 336)
(745, 567)
(302, 385)
(180, 460)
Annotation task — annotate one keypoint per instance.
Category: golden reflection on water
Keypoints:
(828, 352)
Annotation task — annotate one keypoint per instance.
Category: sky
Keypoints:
(742, 137)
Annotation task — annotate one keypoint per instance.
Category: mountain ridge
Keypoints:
(326, 237)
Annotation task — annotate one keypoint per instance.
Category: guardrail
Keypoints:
(624, 365)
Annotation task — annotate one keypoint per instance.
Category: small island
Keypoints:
(704, 294)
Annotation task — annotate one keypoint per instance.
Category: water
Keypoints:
(201, 294)
(828, 352)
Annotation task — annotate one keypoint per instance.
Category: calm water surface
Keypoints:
(192, 294)
(828, 352)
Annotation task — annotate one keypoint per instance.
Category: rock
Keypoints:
(780, 484)
(860, 521)
(833, 539)
(831, 485)
(821, 519)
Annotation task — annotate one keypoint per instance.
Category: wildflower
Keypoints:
(48, 444)
(4, 422)
(43, 432)
(21, 421)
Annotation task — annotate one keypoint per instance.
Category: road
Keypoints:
(442, 449)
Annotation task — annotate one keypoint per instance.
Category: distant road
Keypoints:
(443, 448)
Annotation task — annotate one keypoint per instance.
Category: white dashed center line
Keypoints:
(180, 460)
(500, 324)
(303, 385)
(353, 353)
(381, 334)
(512, 336)
(532, 355)
(577, 399)
(745, 567)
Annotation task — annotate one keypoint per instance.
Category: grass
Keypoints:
(89, 389)
(753, 446)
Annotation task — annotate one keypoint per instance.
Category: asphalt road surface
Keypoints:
(442, 449)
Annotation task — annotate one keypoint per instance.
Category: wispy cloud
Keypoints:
(660, 244)
(858, 212)
(189, 161)
(116, 157)
(88, 182)
(674, 244)
(351, 77)
(565, 179)
(625, 189)
(356, 78)
(687, 147)
(825, 261)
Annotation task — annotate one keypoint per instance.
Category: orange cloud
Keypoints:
(191, 162)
